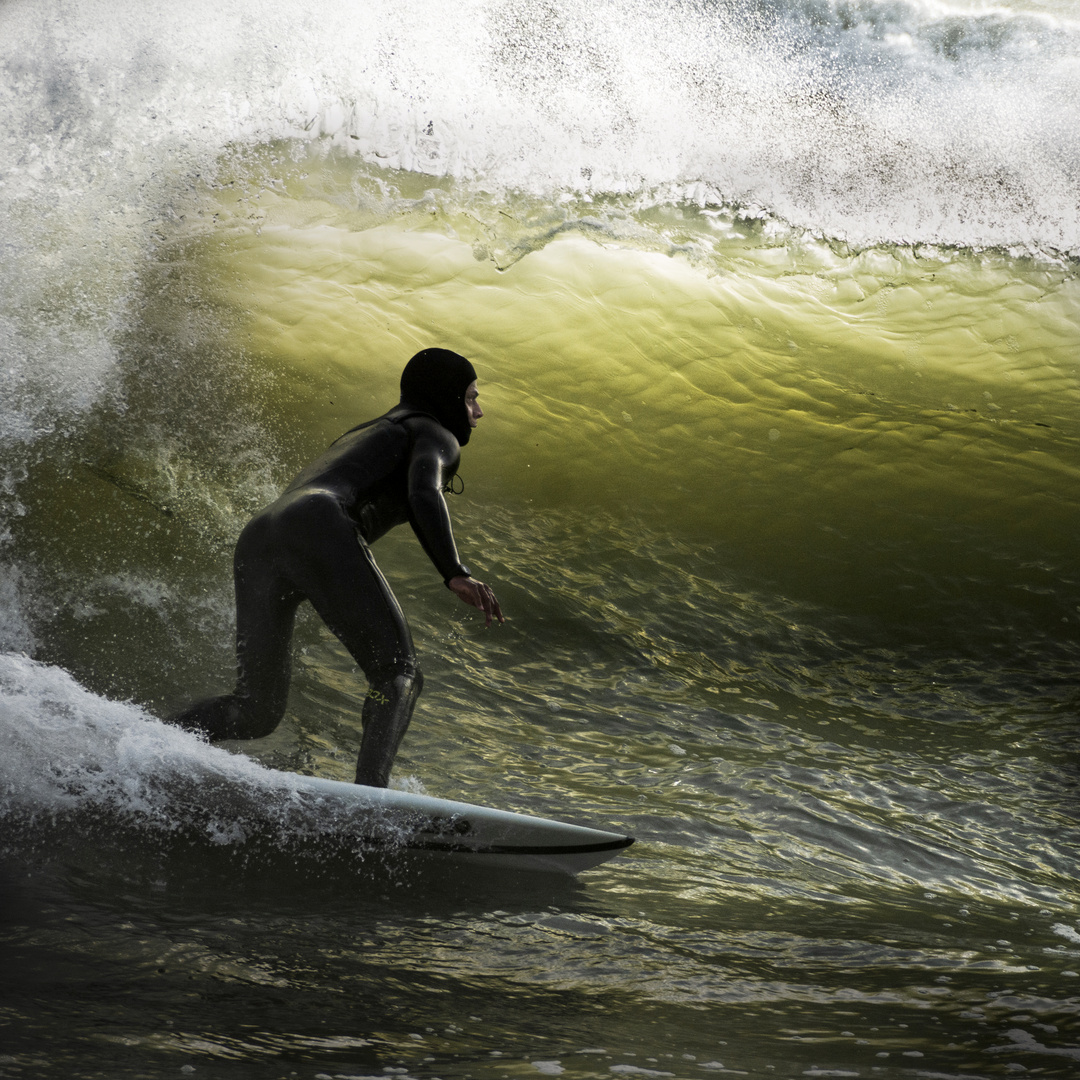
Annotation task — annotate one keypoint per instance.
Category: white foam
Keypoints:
(63, 747)
(66, 752)
(827, 122)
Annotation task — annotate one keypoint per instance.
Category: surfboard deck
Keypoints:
(392, 820)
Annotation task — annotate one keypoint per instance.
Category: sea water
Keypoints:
(775, 311)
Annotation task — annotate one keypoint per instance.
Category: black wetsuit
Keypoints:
(312, 544)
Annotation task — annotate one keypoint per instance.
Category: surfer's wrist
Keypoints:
(462, 571)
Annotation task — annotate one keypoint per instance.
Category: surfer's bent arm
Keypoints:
(431, 466)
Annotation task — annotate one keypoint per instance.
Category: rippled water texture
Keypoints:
(775, 312)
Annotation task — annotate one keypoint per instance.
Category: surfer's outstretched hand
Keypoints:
(476, 594)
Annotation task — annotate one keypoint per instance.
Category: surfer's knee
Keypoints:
(402, 682)
(231, 716)
(216, 718)
(257, 723)
(415, 679)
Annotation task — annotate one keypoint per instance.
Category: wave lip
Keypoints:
(870, 123)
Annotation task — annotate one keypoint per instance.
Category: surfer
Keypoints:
(313, 544)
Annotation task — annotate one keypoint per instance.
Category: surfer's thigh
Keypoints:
(378, 629)
(337, 573)
(266, 603)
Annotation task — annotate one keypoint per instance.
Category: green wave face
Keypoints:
(686, 368)
(685, 405)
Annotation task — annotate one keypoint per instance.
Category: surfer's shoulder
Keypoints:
(425, 430)
(400, 431)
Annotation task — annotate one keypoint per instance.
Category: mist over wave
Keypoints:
(873, 122)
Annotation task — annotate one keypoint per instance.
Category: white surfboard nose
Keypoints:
(402, 821)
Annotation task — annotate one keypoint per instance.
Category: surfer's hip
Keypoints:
(294, 522)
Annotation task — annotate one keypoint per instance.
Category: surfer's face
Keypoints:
(472, 406)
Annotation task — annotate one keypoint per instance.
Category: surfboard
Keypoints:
(401, 821)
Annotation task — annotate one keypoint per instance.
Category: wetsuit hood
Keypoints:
(435, 381)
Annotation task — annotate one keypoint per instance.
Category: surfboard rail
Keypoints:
(391, 820)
